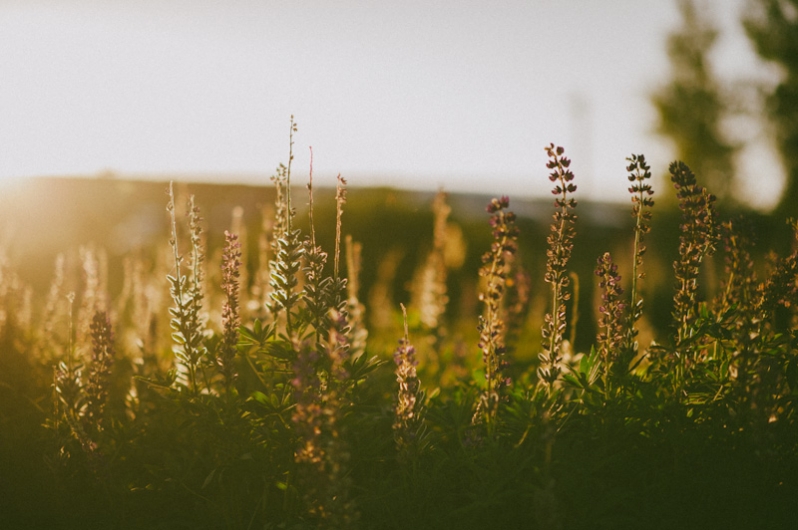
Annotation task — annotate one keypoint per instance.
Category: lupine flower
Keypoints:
(231, 320)
(187, 295)
(611, 322)
(560, 243)
(697, 241)
(639, 176)
(99, 370)
(407, 409)
(491, 326)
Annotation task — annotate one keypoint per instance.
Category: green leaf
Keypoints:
(280, 349)
(360, 367)
(260, 397)
(573, 380)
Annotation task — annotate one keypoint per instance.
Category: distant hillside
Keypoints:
(41, 217)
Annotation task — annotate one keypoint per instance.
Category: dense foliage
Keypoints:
(233, 398)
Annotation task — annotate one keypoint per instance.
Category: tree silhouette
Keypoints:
(772, 26)
(692, 105)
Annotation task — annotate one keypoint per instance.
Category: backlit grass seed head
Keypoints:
(560, 245)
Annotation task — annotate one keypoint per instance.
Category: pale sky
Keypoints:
(415, 94)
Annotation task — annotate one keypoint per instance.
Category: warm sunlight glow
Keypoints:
(412, 94)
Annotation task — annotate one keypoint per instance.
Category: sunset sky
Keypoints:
(409, 93)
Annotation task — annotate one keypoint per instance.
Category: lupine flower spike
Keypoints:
(491, 326)
(612, 316)
(407, 410)
(641, 191)
(231, 320)
(697, 240)
(560, 243)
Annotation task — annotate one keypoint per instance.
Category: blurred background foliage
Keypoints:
(695, 107)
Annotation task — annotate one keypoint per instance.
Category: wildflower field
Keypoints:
(296, 363)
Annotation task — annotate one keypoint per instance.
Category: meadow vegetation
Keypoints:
(253, 384)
